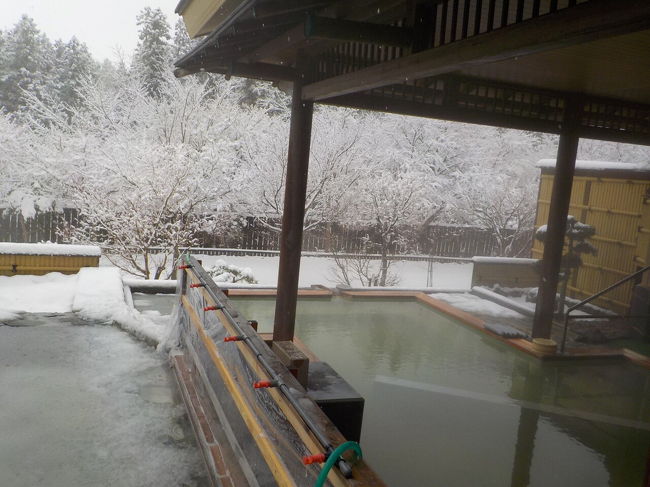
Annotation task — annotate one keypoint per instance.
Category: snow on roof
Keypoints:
(504, 260)
(49, 249)
(599, 165)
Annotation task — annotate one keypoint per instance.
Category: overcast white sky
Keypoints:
(103, 25)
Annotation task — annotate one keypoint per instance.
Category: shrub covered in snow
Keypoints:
(223, 272)
(576, 243)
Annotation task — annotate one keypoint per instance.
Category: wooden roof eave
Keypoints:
(272, 57)
(283, 48)
(579, 24)
(261, 71)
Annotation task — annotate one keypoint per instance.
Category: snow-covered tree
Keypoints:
(387, 200)
(153, 53)
(221, 271)
(27, 64)
(23, 183)
(182, 44)
(500, 203)
(73, 64)
(146, 173)
(335, 158)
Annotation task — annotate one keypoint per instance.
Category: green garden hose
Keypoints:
(334, 457)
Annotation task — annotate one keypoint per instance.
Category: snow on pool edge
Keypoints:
(95, 294)
(100, 297)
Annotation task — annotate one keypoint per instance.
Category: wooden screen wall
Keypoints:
(614, 207)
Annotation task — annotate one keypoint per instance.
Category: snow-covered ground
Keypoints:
(52, 293)
(475, 304)
(322, 270)
(94, 294)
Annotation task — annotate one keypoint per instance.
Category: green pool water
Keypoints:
(447, 406)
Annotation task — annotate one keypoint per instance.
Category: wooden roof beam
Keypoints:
(455, 114)
(283, 7)
(293, 39)
(481, 117)
(347, 30)
(580, 24)
(267, 72)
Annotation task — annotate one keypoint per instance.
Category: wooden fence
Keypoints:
(43, 227)
(437, 240)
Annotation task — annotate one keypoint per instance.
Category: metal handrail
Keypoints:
(567, 316)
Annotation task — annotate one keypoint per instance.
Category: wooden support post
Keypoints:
(294, 359)
(293, 216)
(557, 217)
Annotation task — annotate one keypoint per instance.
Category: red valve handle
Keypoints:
(186, 266)
(197, 285)
(212, 308)
(318, 458)
(233, 338)
(262, 384)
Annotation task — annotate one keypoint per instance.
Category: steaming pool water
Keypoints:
(449, 406)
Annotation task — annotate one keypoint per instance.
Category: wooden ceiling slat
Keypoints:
(585, 22)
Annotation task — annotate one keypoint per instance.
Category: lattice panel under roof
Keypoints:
(451, 59)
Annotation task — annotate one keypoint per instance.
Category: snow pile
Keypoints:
(157, 284)
(100, 297)
(8, 315)
(598, 165)
(504, 260)
(95, 293)
(474, 304)
(49, 249)
(504, 301)
(51, 293)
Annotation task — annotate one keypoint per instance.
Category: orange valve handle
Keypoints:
(263, 384)
(318, 458)
(197, 285)
(212, 308)
(185, 266)
(233, 338)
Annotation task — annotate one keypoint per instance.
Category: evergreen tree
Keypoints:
(182, 42)
(576, 236)
(26, 65)
(74, 64)
(153, 54)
